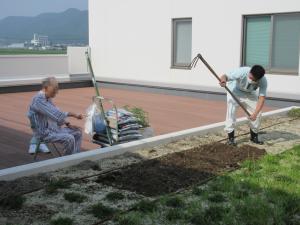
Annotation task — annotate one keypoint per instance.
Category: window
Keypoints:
(272, 41)
(181, 42)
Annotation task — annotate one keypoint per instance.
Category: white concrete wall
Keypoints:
(31, 69)
(22, 68)
(77, 60)
(131, 40)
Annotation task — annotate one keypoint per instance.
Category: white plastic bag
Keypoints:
(88, 127)
(95, 122)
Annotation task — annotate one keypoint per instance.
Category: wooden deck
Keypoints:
(167, 113)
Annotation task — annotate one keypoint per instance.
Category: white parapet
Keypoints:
(101, 153)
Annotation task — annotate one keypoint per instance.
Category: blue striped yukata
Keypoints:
(48, 121)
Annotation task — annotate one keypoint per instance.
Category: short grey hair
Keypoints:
(48, 82)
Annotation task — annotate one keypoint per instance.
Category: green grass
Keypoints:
(30, 52)
(262, 192)
(175, 202)
(101, 211)
(211, 215)
(294, 113)
(174, 214)
(114, 196)
(146, 206)
(55, 184)
(74, 197)
(216, 197)
(133, 218)
(62, 221)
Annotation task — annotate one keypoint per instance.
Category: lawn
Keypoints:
(266, 191)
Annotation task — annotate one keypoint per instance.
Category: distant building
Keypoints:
(39, 40)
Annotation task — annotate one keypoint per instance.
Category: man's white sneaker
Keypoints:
(43, 148)
(32, 148)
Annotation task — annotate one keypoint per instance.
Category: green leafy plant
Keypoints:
(140, 114)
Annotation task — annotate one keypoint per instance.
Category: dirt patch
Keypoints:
(180, 170)
(30, 214)
(87, 165)
(22, 185)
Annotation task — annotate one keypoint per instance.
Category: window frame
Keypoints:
(175, 65)
(269, 70)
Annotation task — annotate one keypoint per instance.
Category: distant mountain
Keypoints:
(70, 26)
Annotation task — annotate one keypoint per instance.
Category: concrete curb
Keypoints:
(66, 161)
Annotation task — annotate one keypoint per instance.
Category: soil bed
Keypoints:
(180, 169)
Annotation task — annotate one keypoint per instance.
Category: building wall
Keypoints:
(131, 40)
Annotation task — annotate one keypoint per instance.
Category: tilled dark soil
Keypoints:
(21, 185)
(180, 170)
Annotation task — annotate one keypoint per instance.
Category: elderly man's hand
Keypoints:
(74, 127)
(79, 116)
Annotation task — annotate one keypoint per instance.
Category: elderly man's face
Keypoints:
(51, 90)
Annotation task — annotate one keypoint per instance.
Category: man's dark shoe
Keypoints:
(231, 140)
(254, 138)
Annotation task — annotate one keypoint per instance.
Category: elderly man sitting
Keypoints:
(49, 119)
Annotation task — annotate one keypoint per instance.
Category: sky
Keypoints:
(35, 7)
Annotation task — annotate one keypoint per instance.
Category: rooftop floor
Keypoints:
(167, 113)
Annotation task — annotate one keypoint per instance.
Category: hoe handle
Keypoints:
(227, 89)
